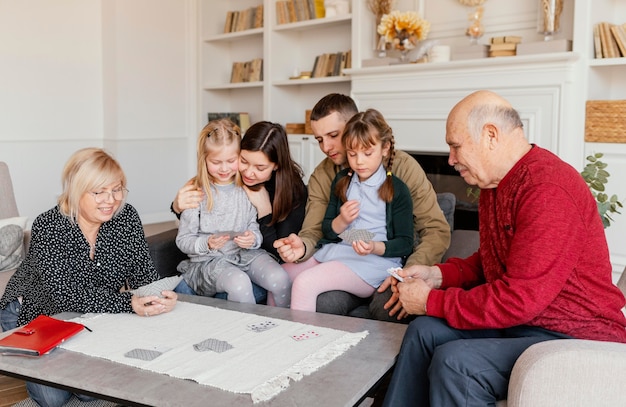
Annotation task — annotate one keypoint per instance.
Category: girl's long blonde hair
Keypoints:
(216, 134)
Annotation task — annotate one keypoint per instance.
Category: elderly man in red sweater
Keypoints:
(542, 271)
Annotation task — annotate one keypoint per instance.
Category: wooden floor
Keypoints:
(11, 391)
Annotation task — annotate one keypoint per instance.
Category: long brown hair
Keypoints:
(364, 130)
(271, 139)
(216, 134)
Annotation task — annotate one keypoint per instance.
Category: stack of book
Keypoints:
(292, 11)
(248, 71)
(609, 40)
(331, 64)
(295, 128)
(504, 46)
(244, 19)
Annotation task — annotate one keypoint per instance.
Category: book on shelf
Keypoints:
(248, 71)
(619, 33)
(597, 44)
(503, 46)
(302, 10)
(256, 70)
(609, 46)
(311, 6)
(320, 10)
(291, 8)
(39, 336)
(258, 17)
(282, 12)
(295, 128)
(229, 21)
(510, 39)
(331, 64)
(241, 20)
(502, 53)
(241, 119)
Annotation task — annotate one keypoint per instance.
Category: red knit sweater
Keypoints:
(543, 258)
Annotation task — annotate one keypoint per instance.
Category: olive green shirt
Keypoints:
(433, 231)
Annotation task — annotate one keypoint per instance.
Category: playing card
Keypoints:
(394, 272)
(305, 335)
(143, 354)
(230, 233)
(352, 235)
(261, 326)
(155, 288)
(212, 344)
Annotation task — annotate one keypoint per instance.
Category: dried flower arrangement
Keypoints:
(403, 29)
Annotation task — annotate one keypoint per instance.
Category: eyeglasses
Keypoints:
(118, 194)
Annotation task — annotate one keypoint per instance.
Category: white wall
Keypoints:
(110, 73)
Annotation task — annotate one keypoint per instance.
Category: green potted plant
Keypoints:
(596, 176)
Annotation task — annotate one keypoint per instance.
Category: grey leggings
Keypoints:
(263, 271)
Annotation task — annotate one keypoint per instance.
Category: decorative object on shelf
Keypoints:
(336, 7)
(379, 8)
(403, 31)
(596, 176)
(475, 29)
(549, 16)
(439, 53)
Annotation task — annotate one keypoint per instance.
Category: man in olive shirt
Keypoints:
(328, 120)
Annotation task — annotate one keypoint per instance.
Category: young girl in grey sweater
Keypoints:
(221, 236)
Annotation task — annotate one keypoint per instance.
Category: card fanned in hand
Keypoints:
(39, 336)
(353, 235)
(155, 288)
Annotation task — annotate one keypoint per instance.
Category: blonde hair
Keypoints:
(216, 134)
(87, 170)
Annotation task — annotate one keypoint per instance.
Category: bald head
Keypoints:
(486, 138)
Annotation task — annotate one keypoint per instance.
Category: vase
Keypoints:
(475, 29)
(404, 56)
(548, 18)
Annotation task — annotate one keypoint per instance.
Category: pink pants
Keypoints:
(312, 278)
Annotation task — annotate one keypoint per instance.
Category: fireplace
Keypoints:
(446, 179)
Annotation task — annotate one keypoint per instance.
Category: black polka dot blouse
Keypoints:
(58, 275)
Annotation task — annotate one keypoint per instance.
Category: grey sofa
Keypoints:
(567, 372)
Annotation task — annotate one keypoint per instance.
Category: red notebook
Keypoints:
(39, 336)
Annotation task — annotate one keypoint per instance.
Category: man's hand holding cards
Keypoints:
(394, 272)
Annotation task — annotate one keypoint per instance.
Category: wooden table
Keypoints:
(343, 382)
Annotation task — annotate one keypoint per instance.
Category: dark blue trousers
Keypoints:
(444, 367)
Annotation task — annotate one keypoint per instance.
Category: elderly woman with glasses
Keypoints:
(84, 255)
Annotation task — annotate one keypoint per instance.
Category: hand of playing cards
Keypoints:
(354, 235)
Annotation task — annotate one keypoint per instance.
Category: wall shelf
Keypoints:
(312, 81)
(315, 23)
(236, 35)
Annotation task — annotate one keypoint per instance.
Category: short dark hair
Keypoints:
(334, 102)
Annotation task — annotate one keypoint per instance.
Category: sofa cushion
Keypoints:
(11, 242)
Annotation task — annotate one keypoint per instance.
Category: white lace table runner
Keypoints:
(230, 350)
